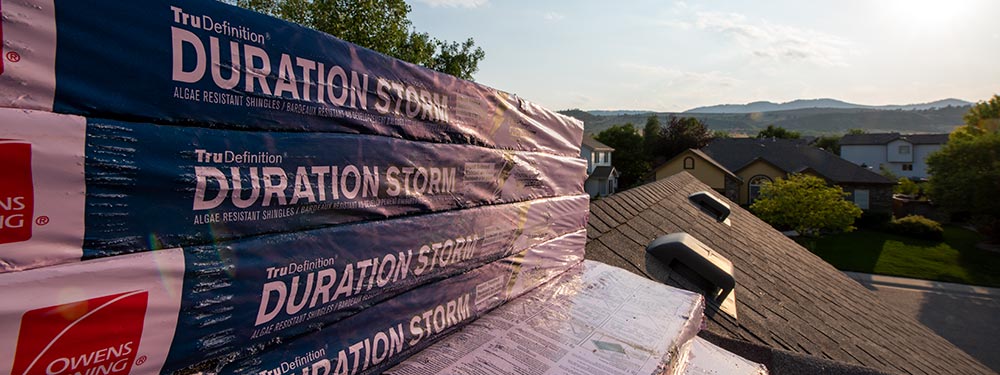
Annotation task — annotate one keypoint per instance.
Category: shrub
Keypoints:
(906, 186)
(917, 226)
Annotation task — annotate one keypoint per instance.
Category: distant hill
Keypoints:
(617, 113)
(818, 103)
(808, 121)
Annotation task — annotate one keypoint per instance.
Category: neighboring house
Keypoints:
(602, 178)
(795, 313)
(904, 155)
(737, 168)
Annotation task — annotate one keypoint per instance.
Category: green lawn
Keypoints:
(956, 259)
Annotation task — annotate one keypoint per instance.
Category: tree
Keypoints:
(681, 134)
(382, 26)
(965, 179)
(982, 118)
(830, 143)
(720, 134)
(856, 131)
(806, 204)
(906, 186)
(628, 156)
(652, 137)
(778, 132)
(965, 173)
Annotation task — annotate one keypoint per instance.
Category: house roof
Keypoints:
(704, 157)
(796, 308)
(602, 172)
(884, 138)
(791, 157)
(593, 144)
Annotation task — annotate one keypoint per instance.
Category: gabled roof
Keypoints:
(790, 157)
(884, 138)
(707, 159)
(593, 144)
(602, 172)
(788, 299)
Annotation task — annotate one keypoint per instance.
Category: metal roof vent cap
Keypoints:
(696, 263)
(711, 205)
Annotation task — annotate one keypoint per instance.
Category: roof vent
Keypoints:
(698, 264)
(711, 205)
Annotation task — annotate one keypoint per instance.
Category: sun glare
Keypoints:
(926, 16)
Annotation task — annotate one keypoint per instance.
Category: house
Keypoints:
(904, 155)
(602, 178)
(796, 313)
(737, 168)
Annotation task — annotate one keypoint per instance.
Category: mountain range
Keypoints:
(807, 116)
(819, 103)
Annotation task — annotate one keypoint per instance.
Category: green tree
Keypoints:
(906, 186)
(806, 204)
(720, 134)
(965, 179)
(681, 134)
(652, 137)
(628, 156)
(830, 143)
(778, 132)
(982, 118)
(382, 26)
(856, 131)
(965, 173)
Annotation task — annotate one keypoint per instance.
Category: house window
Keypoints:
(753, 189)
(904, 149)
(688, 163)
(595, 157)
(907, 167)
(861, 198)
(604, 157)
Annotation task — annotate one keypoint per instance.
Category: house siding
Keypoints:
(754, 169)
(704, 171)
(879, 196)
(876, 156)
(868, 155)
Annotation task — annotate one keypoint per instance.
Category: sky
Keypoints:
(677, 55)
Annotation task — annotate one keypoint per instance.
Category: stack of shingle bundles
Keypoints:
(187, 183)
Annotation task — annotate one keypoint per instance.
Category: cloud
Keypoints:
(554, 17)
(668, 88)
(766, 40)
(455, 3)
(676, 77)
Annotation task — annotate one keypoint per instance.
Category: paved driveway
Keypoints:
(967, 316)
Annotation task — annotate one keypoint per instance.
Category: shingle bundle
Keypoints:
(189, 185)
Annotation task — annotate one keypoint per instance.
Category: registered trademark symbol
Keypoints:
(139, 361)
(13, 56)
(42, 220)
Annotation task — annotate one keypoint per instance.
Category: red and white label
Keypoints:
(95, 336)
(42, 188)
(109, 316)
(17, 196)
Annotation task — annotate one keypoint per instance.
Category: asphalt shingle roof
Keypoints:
(602, 172)
(883, 138)
(593, 144)
(789, 156)
(787, 298)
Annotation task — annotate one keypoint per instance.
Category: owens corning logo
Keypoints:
(17, 196)
(98, 336)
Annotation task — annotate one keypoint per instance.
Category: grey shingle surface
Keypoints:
(789, 156)
(883, 138)
(788, 299)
